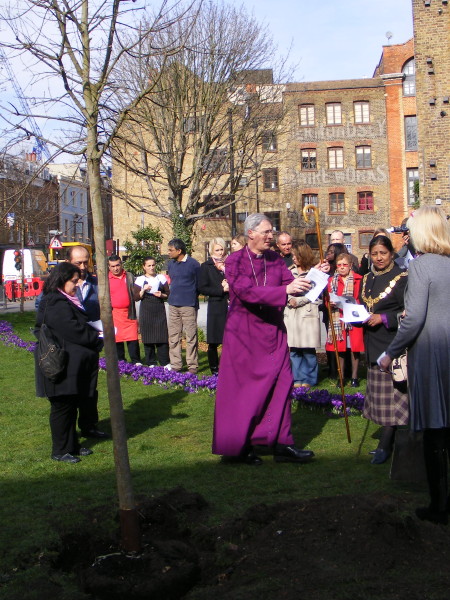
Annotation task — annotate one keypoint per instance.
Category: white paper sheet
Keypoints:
(354, 313)
(318, 280)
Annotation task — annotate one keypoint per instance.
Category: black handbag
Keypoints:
(52, 359)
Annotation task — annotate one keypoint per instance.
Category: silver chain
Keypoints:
(254, 274)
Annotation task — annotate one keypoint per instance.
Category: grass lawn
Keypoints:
(169, 435)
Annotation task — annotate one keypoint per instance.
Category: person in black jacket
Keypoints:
(64, 315)
(87, 292)
(212, 283)
(382, 293)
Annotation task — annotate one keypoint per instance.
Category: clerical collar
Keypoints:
(255, 255)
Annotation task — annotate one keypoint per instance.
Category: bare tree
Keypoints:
(78, 45)
(194, 136)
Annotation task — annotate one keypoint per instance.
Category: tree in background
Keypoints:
(147, 243)
(77, 47)
(196, 133)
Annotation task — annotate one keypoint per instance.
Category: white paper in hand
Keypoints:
(318, 280)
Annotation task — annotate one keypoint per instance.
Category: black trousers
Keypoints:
(88, 412)
(157, 353)
(133, 351)
(63, 418)
(436, 446)
(213, 358)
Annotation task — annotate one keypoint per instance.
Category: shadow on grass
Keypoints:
(146, 413)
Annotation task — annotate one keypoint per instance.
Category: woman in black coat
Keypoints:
(382, 293)
(67, 321)
(212, 283)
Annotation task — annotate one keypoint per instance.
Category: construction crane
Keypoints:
(41, 147)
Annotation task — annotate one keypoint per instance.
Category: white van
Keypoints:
(34, 266)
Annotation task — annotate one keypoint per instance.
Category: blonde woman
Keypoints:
(212, 283)
(425, 333)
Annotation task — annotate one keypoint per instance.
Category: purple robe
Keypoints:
(255, 378)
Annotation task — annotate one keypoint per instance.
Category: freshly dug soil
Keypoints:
(345, 547)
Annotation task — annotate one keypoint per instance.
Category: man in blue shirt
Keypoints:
(183, 271)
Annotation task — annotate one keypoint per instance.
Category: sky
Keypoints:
(326, 39)
(333, 39)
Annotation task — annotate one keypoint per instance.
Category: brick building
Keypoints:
(331, 150)
(432, 60)
(335, 157)
(28, 202)
(397, 71)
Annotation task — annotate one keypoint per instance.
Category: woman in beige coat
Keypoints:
(302, 322)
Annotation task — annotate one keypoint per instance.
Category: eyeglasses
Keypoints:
(264, 233)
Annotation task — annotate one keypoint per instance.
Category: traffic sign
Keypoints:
(55, 244)
(31, 242)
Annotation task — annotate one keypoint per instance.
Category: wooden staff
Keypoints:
(326, 298)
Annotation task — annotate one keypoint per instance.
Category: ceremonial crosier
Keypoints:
(306, 213)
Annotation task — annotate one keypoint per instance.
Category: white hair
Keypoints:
(253, 220)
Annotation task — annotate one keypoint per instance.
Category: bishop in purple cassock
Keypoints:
(255, 378)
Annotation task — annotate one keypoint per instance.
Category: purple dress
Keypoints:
(255, 378)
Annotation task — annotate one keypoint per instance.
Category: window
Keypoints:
(269, 141)
(337, 203)
(412, 176)
(335, 158)
(215, 203)
(310, 199)
(274, 218)
(191, 124)
(365, 238)
(270, 180)
(363, 157)
(307, 115)
(411, 133)
(72, 198)
(362, 112)
(309, 159)
(217, 161)
(312, 240)
(365, 201)
(65, 197)
(409, 82)
(334, 114)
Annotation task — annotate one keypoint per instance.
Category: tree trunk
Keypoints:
(129, 519)
(182, 229)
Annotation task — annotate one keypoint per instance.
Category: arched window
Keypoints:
(409, 82)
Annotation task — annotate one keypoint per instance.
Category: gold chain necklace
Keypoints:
(386, 270)
(254, 274)
(370, 302)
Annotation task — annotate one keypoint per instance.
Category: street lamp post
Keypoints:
(231, 145)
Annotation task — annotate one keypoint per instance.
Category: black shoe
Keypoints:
(67, 458)
(380, 456)
(84, 452)
(248, 458)
(425, 513)
(283, 453)
(95, 433)
(354, 383)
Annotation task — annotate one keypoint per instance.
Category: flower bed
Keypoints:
(316, 398)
